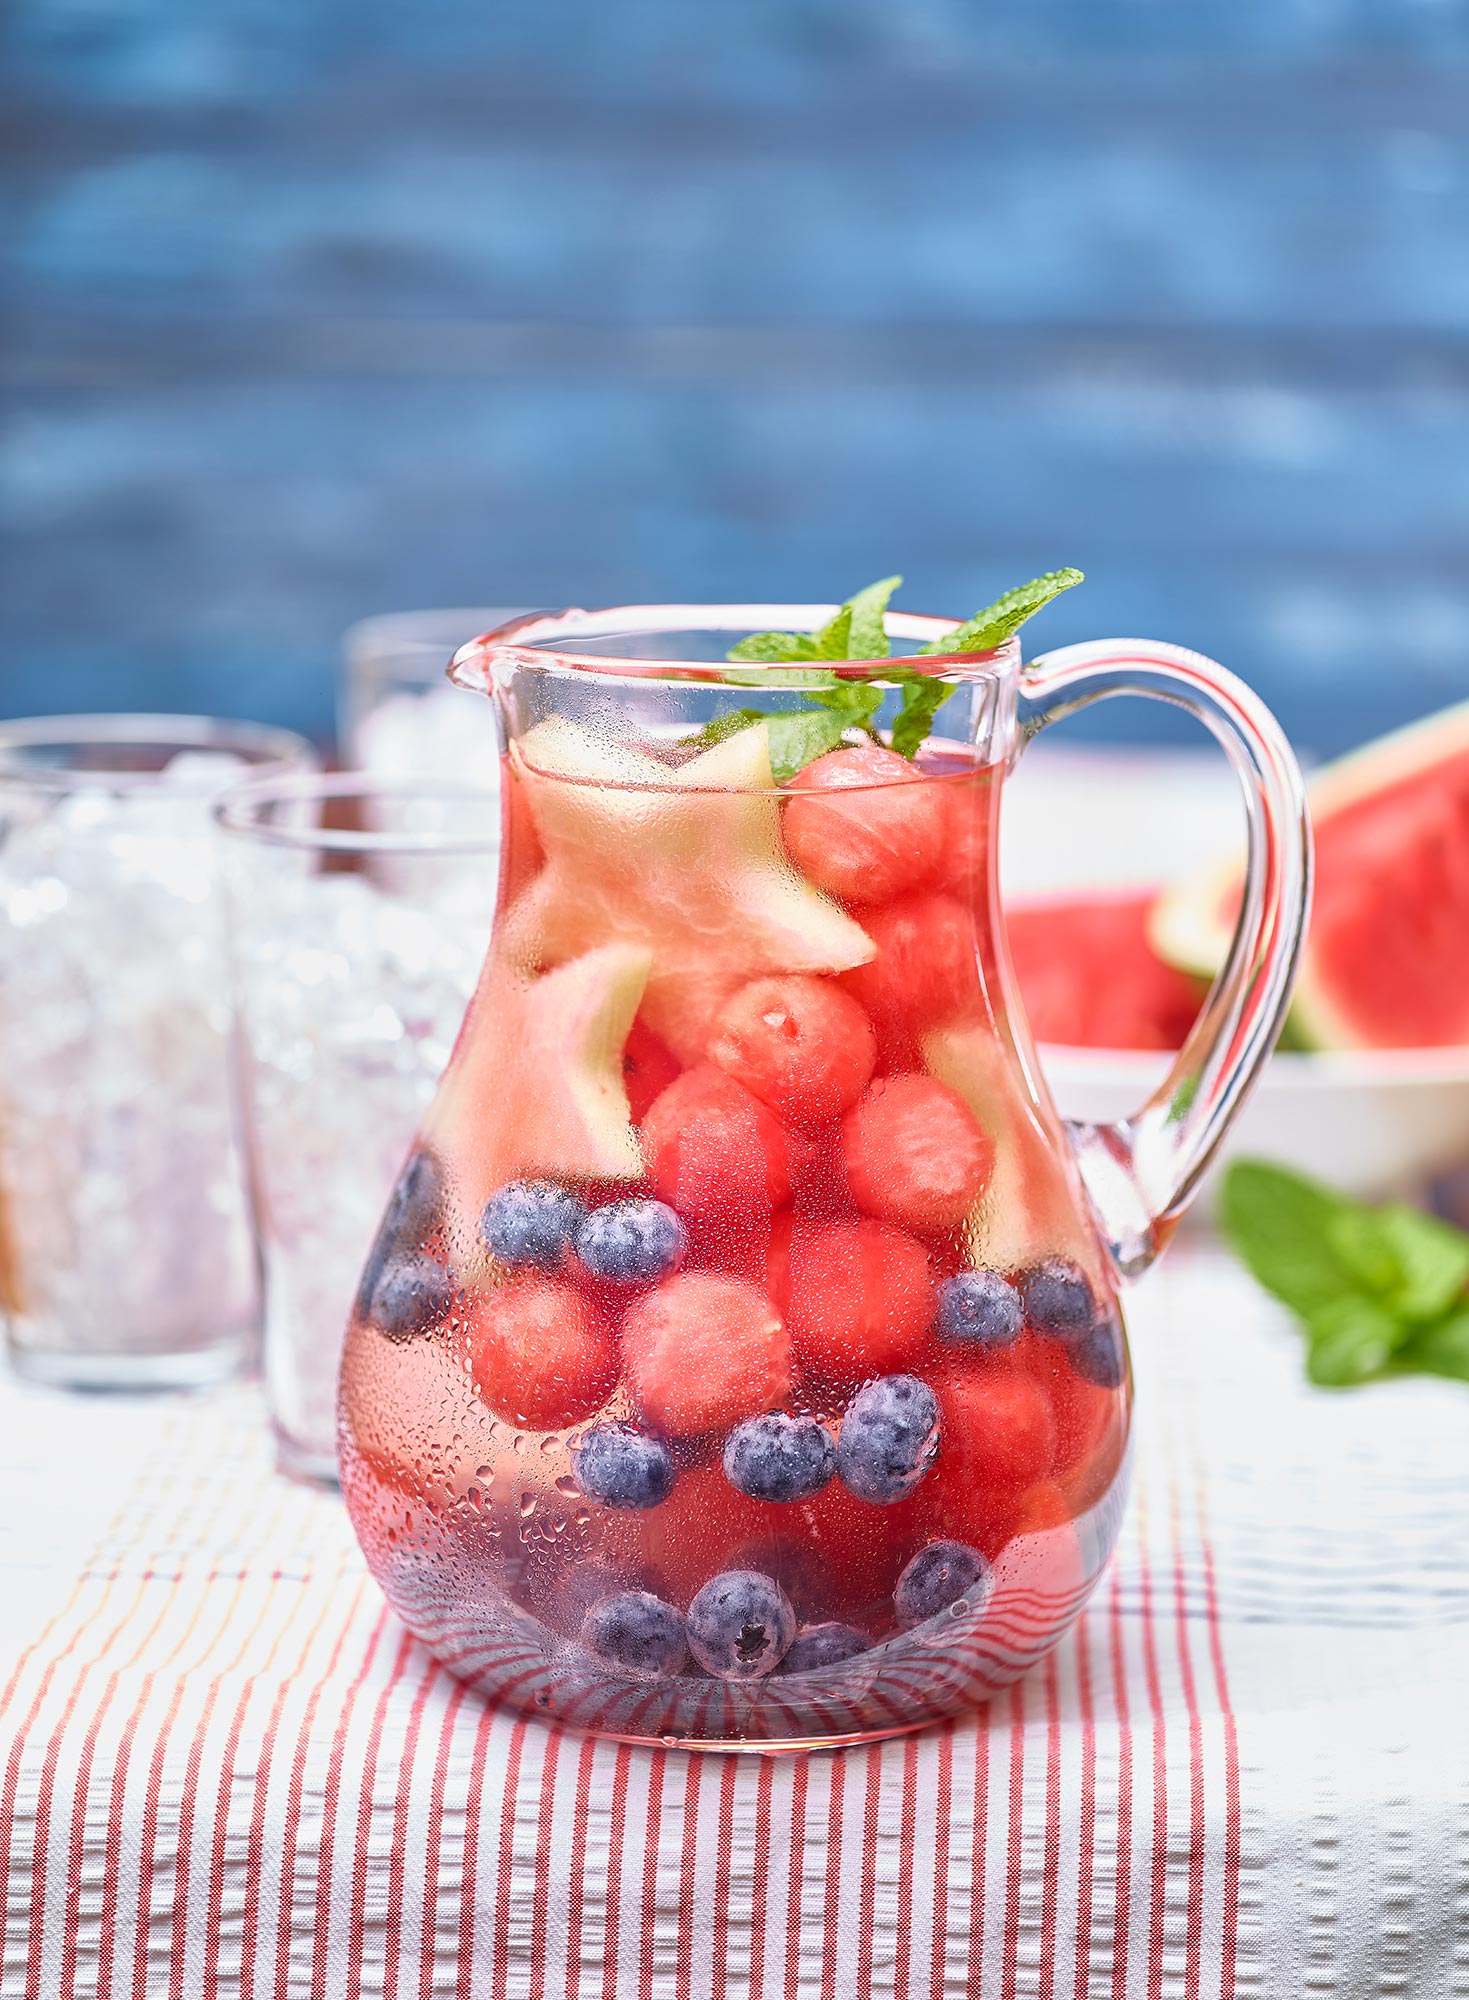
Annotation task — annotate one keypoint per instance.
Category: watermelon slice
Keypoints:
(536, 1083)
(1091, 978)
(1386, 963)
(686, 863)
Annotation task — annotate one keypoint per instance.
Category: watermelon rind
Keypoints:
(1189, 924)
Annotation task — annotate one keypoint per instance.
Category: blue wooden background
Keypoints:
(316, 308)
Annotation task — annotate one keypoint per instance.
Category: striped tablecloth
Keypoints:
(226, 1768)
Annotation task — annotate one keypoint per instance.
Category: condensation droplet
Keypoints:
(567, 1485)
(527, 1505)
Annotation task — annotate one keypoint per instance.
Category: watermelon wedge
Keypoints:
(1386, 963)
(1091, 978)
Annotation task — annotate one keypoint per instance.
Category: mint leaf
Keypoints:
(1279, 1224)
(867, 635)
(1351, 1340)
(720, 726)
(1440, 1350)
(799, 737)
(775, 646)
(921, 701)
(992, 626)
(1432, 1261)
(803, 678)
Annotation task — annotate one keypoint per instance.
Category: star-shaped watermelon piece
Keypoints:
(686, 861)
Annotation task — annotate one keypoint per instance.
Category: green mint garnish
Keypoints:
(857, 631)
(1379, 1291)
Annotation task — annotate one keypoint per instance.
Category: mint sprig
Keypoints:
(857, 631)
(1379, 1290)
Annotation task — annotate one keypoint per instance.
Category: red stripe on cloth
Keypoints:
(214, 1915)
(833, 1876)
(398, 1858)
(464, 1981)
(428, 1941)
(151, 1800)
(326, 1843)
(541, 1895)
(760, 1878)
(1230, 1939)
(867, 1886)
(687, 1876)
(977, 1857)
(1194, 1920)
(1122, 1911)
(796, 1881)
(1051, 1868)
(1159, 1878)
(71, 1922)
(939, 1950)
(254, 1851)
(357, 1900)
(188, 1804)
(907, 1823)
(1016, 1804)
(576, 1904)
(505, 1865)
(1087, 1807)
(723, 1848)
(652, 1839)
(613, 1904)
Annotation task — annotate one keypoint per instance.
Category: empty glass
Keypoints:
(359, 913)
(397, 715)
(125, 1255)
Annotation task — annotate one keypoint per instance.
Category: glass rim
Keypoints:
(274, 746)
(237, 813)
(524, 642)
(409, 643)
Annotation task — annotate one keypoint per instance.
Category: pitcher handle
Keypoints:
(1140, 1174)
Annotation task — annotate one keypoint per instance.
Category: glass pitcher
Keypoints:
(739, 1362)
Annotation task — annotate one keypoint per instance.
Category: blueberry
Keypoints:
(637, 1632)
(410, 1297)
(889, 1438)
(1097, 1355)
(531, 1222)
(817, 1646)
(937, 1577)
(741, 1625)
(1058, 1298)
(623, 1466)
(411, 1213)
(979, 1309)
(780, 1457)
(632, 1242)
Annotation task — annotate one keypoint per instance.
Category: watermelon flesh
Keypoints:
(1386, 960)
(1091, 979)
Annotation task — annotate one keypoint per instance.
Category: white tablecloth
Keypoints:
(224, 1767)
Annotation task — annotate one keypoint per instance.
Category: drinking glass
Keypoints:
(125, 1254)
(358, 915)
(397, 715)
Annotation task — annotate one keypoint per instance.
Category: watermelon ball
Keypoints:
(914, 1154)
(859, 1299)
(648, 1067)
(631, 1242)
(889, 1439)
(999, 1428)
(979, 1309)
(410, 1297)
(818, 1646)
(623, 1466)
(639, 1633)
(939, 1577)
(712, 1147)
(863, 824)
(925, 972)
(531, 1222)
(704, 1351)
(541, 1355)
(801, 1044)
(1058, 1298)
(781, 1458)
(741, 1625)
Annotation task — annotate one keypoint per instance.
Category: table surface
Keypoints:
(1246, 1770)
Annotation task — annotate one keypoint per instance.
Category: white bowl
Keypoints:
(1372, 1124)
